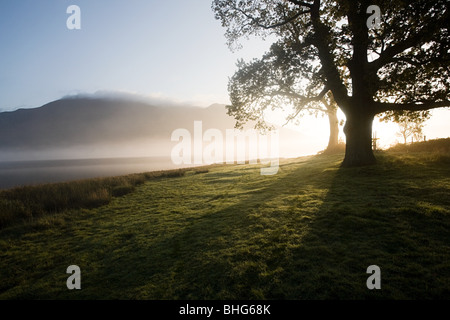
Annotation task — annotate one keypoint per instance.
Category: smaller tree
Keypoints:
(281, 80)
(410, 123)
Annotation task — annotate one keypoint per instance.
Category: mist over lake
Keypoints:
(19, 173)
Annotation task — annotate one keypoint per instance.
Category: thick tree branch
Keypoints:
(327, 59)
(301, 3)
(381, 107)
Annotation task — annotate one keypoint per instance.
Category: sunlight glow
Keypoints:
(315, 131)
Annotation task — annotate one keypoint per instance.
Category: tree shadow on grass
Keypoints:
(386, 215)
(308, 233)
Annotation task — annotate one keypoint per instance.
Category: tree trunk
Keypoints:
(334, 130)
(358, 133)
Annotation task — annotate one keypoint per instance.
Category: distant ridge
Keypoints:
(89, 127)
(90, 120)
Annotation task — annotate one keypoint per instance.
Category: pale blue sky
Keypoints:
(165, 48)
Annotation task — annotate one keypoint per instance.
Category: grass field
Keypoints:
(226, 232)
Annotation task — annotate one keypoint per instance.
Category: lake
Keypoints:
(19, 173)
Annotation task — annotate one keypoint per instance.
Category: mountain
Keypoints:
(86, 127)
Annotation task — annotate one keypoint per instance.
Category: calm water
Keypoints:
(20, 173)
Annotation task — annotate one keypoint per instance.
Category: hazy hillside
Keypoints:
(101, 127)
(91, 121)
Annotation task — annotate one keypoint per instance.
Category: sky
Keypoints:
(171, 50)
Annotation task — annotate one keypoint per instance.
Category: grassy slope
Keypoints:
(308, 232)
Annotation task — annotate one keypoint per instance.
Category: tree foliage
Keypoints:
(281, 79)
(403, 64)
(405, 61)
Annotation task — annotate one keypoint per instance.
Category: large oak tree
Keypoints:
(401, 64)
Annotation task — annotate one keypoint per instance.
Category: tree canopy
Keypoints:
(400, 64)
(280, 80)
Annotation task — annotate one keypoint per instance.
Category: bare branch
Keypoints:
(256, 21)
(295, 16)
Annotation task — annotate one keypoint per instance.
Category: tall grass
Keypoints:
(28, 202)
